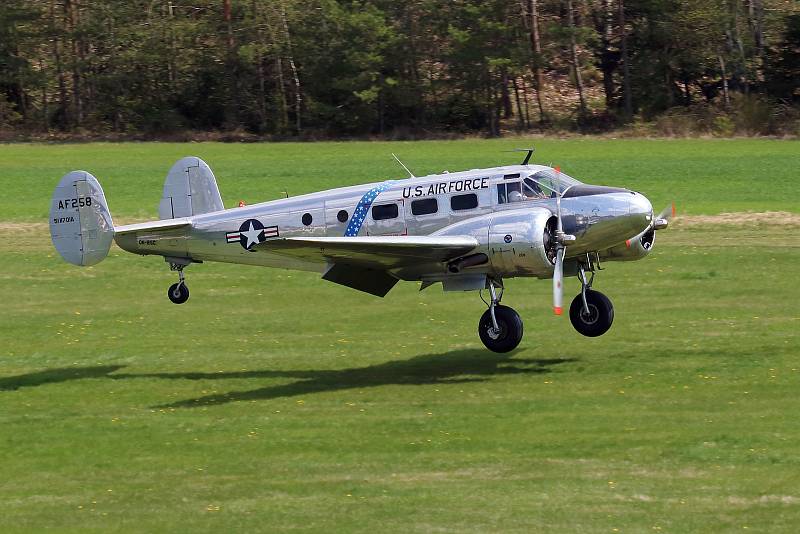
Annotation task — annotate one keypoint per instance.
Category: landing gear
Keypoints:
(178, 293)
(591, 313)
(500, 327)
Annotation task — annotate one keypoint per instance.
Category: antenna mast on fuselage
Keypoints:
(410, 174)
(527, 156)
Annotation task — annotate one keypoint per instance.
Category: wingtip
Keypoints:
(558, 310)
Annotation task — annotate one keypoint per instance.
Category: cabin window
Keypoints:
(384, 211)
(425, 206)
(342, 216)
(307, 219)
(464, 202)
(509, 192)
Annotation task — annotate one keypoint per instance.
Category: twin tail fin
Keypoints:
(81, 226)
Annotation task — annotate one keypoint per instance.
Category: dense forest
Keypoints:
(329, 68)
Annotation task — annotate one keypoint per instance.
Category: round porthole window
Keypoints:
(342, 216)
(307, 219)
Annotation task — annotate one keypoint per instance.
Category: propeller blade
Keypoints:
(558, 270)
(667, 213)
(662, 220)
(558, 281)
(559, 228)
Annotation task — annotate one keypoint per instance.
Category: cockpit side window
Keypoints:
(509, 192)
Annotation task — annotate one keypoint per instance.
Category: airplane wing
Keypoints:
(362, 262)
(380, 252)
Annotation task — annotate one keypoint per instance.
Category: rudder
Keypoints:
(80, 224)
(190, 189)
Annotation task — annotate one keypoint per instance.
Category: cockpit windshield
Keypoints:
(539, 185)
(545, 183)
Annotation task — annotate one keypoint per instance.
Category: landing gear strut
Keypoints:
(500, 327)
(178, 293)
(591, 313)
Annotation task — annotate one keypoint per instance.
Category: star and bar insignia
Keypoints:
(251, 233)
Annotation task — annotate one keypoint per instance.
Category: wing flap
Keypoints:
(372, 281)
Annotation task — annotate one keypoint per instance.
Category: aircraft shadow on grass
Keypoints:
(452, 367)
(55, 376)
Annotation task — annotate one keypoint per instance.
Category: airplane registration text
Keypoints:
(80, 202)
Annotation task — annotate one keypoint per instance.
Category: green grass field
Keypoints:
(701, 176)
(274, 401)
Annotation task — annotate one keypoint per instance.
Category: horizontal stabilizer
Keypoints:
(154, 226)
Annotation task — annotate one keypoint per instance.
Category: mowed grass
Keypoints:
(274, 401)
(701, 176)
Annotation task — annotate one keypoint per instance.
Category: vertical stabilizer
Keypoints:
(190, 189)
(80, 223)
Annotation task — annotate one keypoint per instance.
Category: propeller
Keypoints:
(558, 280)
(662, 220)
(561, 240)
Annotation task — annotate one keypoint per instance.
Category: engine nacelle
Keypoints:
(514, 243)
(520, 243)
(634, 248)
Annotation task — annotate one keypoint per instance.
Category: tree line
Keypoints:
(324, 68)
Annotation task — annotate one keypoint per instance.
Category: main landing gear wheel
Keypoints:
(599, 317)
(178, 293)
(508, 333)
(500, 327)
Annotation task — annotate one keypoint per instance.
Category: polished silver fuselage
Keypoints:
(600, 221)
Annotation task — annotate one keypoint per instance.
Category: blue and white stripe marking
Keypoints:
(360, 213)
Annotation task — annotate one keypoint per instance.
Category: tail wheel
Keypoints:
(600, 316)
(508, 334)
(178, 293)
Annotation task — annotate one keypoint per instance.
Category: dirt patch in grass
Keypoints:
(40, 227)
(745, 218)
(9, 227)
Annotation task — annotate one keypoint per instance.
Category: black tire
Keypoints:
(510, 325)
(178, 293)
(601, 314)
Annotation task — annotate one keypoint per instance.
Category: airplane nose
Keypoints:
(641, 207)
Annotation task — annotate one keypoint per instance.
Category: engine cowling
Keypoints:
(520, 243)
(633, 249)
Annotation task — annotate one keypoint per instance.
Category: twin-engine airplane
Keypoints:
(468, 230)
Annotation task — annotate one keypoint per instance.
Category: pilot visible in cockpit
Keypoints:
(533, 190)
(515, 196)
(515, 191)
